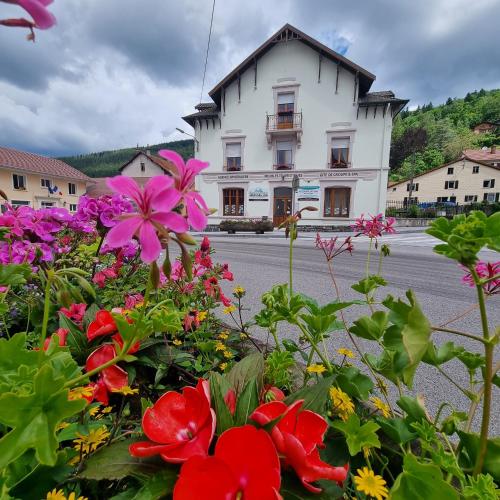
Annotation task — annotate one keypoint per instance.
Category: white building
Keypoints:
(295, 107)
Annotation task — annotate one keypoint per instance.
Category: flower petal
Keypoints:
(126, 186)
(150, 244)
(176, 159)
(166, 200)
(36, 9)
(155, 188)
(123, 232)
(172, 221)
(196, 216)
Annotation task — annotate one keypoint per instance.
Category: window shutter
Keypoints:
(233, 149)
(283, 145)
(286, 98)
(340, 142)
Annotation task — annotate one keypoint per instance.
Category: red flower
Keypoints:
(110, 379)
(191, 320)
(297, 437)
(245, 466)
(205, 244)
(180, 426)
(203, 259)
(103, 324)
(211, 286)
(271, 393)
(225, 300)
(230, 400)
(100, 277)
(226, 273)
(62, 333)
(76, 312)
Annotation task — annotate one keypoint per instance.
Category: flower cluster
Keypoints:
(488, 271)
(104, 210)
(375, 226)
(247, 461)
(34, 236)
(330, 247)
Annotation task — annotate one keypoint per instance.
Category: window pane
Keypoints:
(286, 98)
(233, 149)
(340, 142)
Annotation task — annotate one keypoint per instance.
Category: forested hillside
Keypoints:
(107, 163)
(430, 136)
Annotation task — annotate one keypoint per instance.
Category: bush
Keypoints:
(258, 226)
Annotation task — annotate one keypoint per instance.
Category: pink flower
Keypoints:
(330, 248)
(154, 203)
(485, 270)
(76, 312)
(375, 226)
(42, 18)
(196, 207)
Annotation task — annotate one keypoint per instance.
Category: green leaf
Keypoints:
(413, 408)
(293, 489)
(443, 354)
(250, 367)
(14, 274)
(421, 482)
(33, 418)
(481, 487)
(114, 462)
(354, 383)
(218, 388)
(470, 443)
(370, 328)
(159, 485)
(396, 429)
(367, 285)
(246, 403)
(315, 397)
(358, 436)
(414, 329)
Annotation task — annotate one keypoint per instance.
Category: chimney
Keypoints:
(493, 149)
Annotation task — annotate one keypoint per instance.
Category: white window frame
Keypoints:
(229, 139)
(69, 188)
(44, 181)
(25, 182)
(339, 134)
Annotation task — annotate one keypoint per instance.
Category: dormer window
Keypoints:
(233, 156)
(339, 156)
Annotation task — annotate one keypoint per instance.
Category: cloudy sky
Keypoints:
(116, 73)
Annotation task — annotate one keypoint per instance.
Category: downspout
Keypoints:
(379, 208)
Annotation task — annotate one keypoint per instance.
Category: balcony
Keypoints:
(232, 168)
(284, 166)
(340, 164)
(289, 124)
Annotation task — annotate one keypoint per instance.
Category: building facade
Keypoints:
(40, 182)
(295, 108)
(462, 181)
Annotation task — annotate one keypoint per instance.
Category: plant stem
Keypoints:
(46, 308)
(457, 332)
(91, 373)
(324, 359)
(487, 376)
(368, 258)
(459, 387)
(290, 261)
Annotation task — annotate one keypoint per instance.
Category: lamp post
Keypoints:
(196, 141)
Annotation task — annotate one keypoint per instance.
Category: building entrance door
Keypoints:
(282, 204)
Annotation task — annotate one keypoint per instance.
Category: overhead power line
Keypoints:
(208, 48)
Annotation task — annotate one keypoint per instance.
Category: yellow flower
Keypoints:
(370, 484)
(60, 495)
(228, 354)
(91, 441)
(346, 352)
(229, 309)
(93, 411)
(219, 346)
(238, 290)
(243, 336)
(126, 390)
(107, 409)
(202, 315)
(223, 366)
(177, 342)
(381, 406)
(315, 368)
(223, 336)
(341, 403)
(61, 426)
(81, 393)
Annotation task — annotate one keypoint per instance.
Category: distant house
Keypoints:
(141, 167)
(462, 181)
(39, 181)
(485, 127)
(490, 155)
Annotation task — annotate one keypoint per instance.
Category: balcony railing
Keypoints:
(284, 121)
(232, 168)
(340, 165)
(284, 166)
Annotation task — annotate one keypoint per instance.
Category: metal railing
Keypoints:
(340, 165)
(432, 209)
(232, 168)
(284, 166)
(284, 121)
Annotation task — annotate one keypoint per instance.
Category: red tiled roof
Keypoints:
(30, 162)
(482, 154)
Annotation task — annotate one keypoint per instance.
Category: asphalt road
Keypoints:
(259, 263)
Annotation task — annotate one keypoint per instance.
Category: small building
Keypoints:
(39, 181)
(490, 155)
(141, 167)
(461, 181)
(486, 127)
(295, 109)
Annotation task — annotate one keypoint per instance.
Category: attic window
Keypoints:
(143, 166)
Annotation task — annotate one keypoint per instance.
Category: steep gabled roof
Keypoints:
(157, 160)
(37, 164)
(289, 32)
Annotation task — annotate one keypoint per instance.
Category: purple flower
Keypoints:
(154, 203)
(196, 207)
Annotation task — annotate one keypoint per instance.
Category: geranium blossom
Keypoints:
(76, 312)
(330, 248)
(37, 9)
(297, 436)
(375, 226)
(154, 204)
(180, 426)
(485, 270)
(245, 465)
(196, 207)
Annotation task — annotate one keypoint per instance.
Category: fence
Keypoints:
(432, 209)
